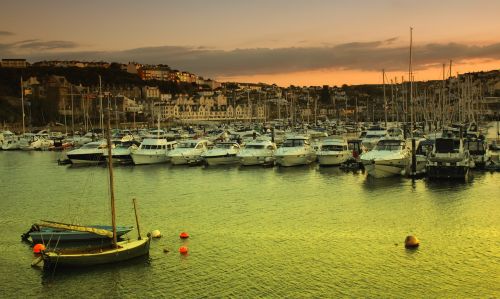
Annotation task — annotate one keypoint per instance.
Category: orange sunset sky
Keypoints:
(285, 42)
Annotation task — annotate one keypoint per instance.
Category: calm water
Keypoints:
(258, 232)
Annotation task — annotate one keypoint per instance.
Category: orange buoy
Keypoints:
(38, 248)
(184, 235)
(411, 242)
(183, 250)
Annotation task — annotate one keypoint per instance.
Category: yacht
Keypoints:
(372, 136)
(257, 152)
(89, 153)
(296, 150)
(333, 151)
(477, 151)
(223, 153)
(153, 151)
(449, 159)
(9, 141)
(121, 151)
(391, 156)
(188, 151)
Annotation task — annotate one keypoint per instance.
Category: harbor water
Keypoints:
(257, 232)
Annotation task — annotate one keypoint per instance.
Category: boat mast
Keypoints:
(385, 98)
(22, 104)
(411, 84)
(111, 185)
(101, 116)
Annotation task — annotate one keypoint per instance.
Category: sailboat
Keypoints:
(117, 252)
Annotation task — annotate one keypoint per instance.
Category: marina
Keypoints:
(245, 241)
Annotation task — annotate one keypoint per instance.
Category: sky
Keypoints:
(287, 42)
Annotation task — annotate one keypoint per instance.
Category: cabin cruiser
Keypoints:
(372, 136)
(188, 152)
(333, 151)
(391, 156)
(449, 159)
(9, 141)
(296, 150)
(493, 157)
(223, 153)
(31, 141)
(477, 151)
(121, 152)
(257, 152)
(153, 151)
(89, 153)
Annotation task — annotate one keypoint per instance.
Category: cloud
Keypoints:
(362, 56)
(5, 33)
(46, 45)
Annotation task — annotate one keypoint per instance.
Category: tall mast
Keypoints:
(410, 72)
(72, 112)
(385, 99)
(111, 185)
(22, 104)
(101, 115)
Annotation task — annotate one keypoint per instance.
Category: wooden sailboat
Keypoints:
(117, 252)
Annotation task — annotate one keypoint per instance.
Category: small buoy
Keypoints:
(38, 248)
(156, 234)
(183, 250)
(184, 235)
(411, 242)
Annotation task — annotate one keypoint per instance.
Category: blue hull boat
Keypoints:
(41, 234)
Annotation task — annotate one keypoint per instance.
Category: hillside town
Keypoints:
(145, 98)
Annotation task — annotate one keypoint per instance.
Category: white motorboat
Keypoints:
(333, 151)
(257, 152)
(121, 152)
(223, 153)
(153, 151)
(477, 149)
(373, 135)
(296, 150)
(188, 151)
(391, 156)
(89, 153)
(9, 141)
(449, 159)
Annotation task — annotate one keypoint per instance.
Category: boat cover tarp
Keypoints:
(74, 227)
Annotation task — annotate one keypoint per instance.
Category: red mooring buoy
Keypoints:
(184, 235)
(183, 250)
(38, 248)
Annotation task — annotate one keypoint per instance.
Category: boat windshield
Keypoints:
(447, 145)
(389, 145)
(475, 146)
(224, 145)
(152, 147)
(255, 146)
(91, 145)
(332, 148)
(293, 143)
(187, 145)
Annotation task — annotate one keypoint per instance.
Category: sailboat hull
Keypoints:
(126, 250)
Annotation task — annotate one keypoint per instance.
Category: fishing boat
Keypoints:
(116, 252)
